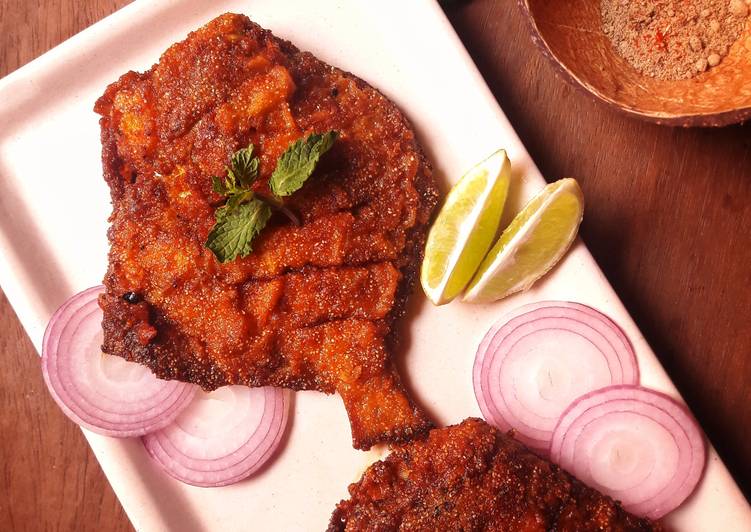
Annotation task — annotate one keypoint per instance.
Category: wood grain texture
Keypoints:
(50, 479)
(668, 219)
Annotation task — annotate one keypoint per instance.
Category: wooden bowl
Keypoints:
(570, 33)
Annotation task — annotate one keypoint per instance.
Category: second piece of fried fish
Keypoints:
(471, 477)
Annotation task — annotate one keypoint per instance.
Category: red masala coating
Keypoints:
(471, 477)
(312, 307)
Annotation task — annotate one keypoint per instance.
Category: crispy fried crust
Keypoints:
(470, 477)
(313, 307)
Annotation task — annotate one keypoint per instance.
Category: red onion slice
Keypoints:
(614, 327)
(104, 393)
(62, 316)
(223, 436)
(637, 445)
(535, 361)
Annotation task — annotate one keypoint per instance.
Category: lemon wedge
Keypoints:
(531, 245)
(465, 228)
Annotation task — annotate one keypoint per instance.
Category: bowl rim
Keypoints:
(714, 119)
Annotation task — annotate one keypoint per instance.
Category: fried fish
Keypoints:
(314, 306)
(471, 477)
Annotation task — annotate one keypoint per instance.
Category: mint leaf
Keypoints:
(298, 161)
(241, 173)
(233, 202)
(244, 166)
(236, 228)
(219, 187)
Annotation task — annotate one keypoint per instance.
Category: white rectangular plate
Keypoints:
(53, 219)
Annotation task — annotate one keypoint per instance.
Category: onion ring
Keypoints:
(637, 445)
(223, 436)
(103, 393)
(539, 358)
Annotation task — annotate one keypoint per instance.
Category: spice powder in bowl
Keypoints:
(673, 39)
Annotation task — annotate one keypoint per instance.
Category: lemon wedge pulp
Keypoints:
(465, 228)
(532, 244)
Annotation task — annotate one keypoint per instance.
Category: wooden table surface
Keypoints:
(668, 218)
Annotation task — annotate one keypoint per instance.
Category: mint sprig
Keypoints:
(245, 213)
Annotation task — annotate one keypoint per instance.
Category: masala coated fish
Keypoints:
(471, 477)
(314, 306)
